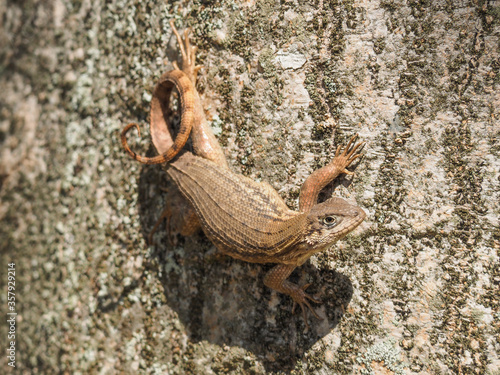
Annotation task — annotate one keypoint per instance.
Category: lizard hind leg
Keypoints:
(188, 54)
(166, 214)
(180, 216)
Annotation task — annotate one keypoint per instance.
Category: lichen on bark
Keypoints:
(414, 290)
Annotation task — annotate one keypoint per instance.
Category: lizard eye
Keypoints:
(329, 221)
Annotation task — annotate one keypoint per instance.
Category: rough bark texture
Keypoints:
(284, 83)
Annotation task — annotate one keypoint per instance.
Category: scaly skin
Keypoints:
(245, 219)
(193, 116)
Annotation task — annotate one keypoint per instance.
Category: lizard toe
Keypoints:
(301, 298)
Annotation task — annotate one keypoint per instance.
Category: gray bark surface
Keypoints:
(413, 290)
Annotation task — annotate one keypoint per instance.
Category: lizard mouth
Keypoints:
(358, 216)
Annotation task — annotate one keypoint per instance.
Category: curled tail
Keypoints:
(168, 155)
(159, 104)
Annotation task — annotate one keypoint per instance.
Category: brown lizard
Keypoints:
(244, 219)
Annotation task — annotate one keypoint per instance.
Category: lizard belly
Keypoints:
(243, 218)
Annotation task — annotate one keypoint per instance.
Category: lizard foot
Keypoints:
(276, 279)
(180, 217)
(188, 54)
(166, 214)
(323, 176)
(351, 152)
(300, 297)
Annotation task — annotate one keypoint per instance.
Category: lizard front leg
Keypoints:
(323, 176)
(276, 279)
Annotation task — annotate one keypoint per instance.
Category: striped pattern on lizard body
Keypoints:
(243, 218)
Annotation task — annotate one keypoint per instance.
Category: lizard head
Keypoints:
(329, 221)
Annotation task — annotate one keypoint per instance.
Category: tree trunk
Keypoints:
(413, 290)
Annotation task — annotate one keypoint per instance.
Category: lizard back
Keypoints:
(243, 218)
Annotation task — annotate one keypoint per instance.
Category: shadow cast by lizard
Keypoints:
(225, 302)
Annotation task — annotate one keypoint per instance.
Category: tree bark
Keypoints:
(414, 290)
